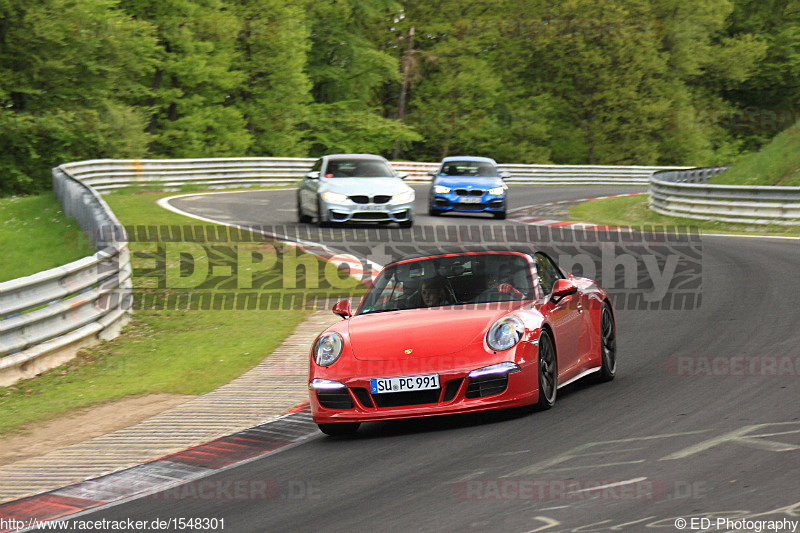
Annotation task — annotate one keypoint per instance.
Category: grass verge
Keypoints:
(633, 211)
(777, 163)
(162, 350)
(35, 235)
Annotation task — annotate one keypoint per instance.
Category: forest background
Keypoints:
(646, 82)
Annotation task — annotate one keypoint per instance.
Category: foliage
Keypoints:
(777, 163)
(585, 81)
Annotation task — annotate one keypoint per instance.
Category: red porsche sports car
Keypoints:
(457, 333)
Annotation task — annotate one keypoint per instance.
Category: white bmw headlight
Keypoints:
(497, 190)
(441, 189)
(404, 197)
(505, 333)
(328, 348)
(334, 197)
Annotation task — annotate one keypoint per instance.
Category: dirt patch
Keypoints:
(85, 424)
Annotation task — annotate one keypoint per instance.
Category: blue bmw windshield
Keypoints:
(468, 168)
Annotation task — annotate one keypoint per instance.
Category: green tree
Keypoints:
(273, 44)
(192, 84)
(349, 71)
(70, 83)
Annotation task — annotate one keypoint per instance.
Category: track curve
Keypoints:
(663, 444)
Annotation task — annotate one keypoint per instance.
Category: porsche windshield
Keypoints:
(453, 280)
(358, 168)
(468, 168)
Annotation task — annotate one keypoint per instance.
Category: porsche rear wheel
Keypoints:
(608, 344)
(339, 430)
(548, 373)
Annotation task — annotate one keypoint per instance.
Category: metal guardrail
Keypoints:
(106, 175)
(46, 317)
(685, 193)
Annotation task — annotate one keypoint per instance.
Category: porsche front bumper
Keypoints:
(458, 393)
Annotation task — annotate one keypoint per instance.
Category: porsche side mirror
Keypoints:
(505, 175)
(342, 308)
(314, 175)
(563, 287)
(431, 173)
(402, 175)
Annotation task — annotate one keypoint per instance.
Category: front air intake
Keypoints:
(487, 385)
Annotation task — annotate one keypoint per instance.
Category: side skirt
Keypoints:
(579, 376)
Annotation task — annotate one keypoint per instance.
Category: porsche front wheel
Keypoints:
(548, 374)
(339, 430)
(608, 344)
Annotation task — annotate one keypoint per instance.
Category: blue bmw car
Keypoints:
(468, 185)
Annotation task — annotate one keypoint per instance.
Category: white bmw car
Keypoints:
(354, 188)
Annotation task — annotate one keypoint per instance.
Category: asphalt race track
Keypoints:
(711, 435)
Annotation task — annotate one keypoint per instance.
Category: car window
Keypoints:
(547, 273)
(460, 279)
(317, 166)
(468, 168)
(357, 168)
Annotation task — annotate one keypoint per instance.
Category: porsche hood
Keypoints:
(425, 332)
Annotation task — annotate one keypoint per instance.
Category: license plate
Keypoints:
(372, 208)
(405, 384)
(471, 200)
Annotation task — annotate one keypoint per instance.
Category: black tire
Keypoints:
(339, 430)
(432, 211)
(302, 218)
(406, 223)
(547, 372)
(608, 344)
(320, 222)
(500, 215)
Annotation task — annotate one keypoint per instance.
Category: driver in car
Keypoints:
(501, 282)
(434, 292)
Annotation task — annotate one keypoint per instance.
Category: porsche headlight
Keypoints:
(441, 189)
(328, 348)
(497, 190)
(505, 333)
(334, 197)
(404, 197)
